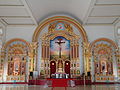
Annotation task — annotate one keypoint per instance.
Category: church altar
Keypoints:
(59, 82)
(60, 75)
(60, 54)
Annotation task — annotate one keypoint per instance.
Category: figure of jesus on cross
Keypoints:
(59, 43)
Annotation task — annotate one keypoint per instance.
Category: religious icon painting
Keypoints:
(60, 26)
(59, 47)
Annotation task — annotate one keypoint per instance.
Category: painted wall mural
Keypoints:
(59, 47)
(60, 26)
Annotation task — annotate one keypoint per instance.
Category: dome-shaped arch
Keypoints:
(103, 39)
(16, 53)
(16, 39)
(103, 58)
(59, 18)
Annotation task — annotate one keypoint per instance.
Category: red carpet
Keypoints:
(59, 88)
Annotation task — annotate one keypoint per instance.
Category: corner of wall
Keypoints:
(117, 36)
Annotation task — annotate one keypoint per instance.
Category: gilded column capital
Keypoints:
(34, 45)
(86, 47)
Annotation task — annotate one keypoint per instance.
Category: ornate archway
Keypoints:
(15, 57)
(60, 27)
(59, 18)
(103, 59)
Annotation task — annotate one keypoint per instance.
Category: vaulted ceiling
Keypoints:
(31, 12)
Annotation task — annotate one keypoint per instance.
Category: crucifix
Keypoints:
(59, 43)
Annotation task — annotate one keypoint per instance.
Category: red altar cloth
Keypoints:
(59, 82)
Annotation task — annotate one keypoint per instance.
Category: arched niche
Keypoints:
(15, 56)
(72, 21)
(103, 60)
(47, 31)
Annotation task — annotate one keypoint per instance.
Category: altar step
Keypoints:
(82, 82)
(43, 82)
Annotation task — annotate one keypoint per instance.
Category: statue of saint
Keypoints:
(60, 66)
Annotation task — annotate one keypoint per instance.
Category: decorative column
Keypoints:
(74, 59)
(74, 51)
(77, 50)
(87, 55)
(2, 58)
(71, 58)
(77, 59)
(48, 58)
(117, 54)
(71, 52)
(47, 62)
(33, 56)
(42, 71)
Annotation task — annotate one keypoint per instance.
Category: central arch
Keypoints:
(74, 32)
(44, 23)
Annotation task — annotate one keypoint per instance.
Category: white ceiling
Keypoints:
(104, 12)
(31, 12)
(16, 12)
(44, 8)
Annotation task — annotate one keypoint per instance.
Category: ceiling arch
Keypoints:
(59, 18)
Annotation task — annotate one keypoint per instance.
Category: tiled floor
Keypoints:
(37, 87)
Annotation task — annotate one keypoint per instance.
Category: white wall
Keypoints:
(99, 31)
(93, 32)
(4, 32)
(2, 39)
(23, 32)
(117, 25)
